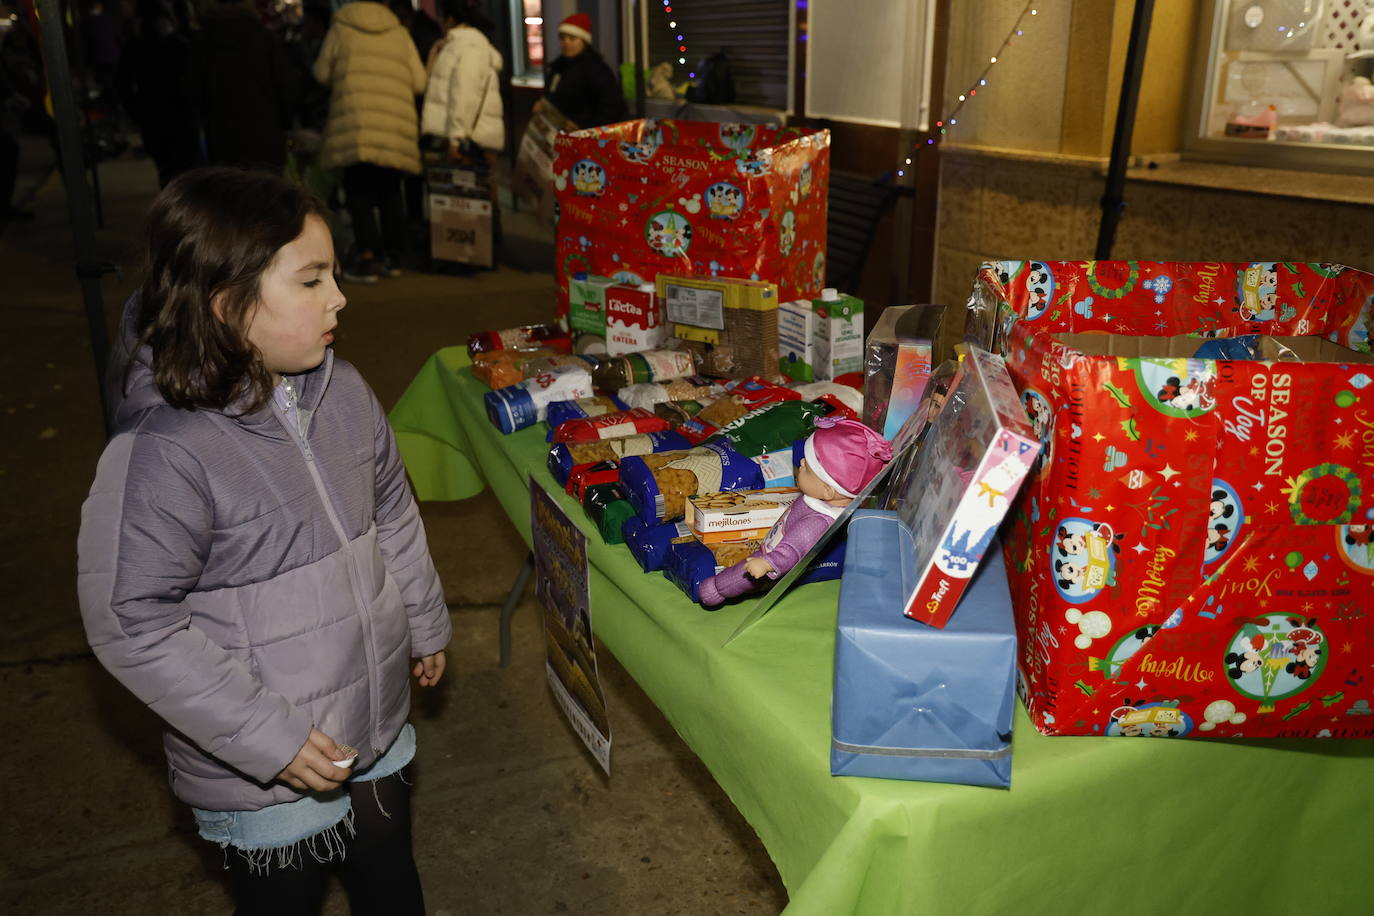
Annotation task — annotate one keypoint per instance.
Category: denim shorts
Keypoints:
(278, 827)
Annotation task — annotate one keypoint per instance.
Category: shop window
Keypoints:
(1287, 83)
(527, 36)
(754, 34)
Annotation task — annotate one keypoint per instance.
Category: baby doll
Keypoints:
(842, 456)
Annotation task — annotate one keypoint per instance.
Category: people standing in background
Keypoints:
(463, 107)
(303, 50)
(580, 84)
(156, 86)
(244, 87)
(463, 101)
(425, 32)
(374, 73)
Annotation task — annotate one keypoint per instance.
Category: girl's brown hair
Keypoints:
(212, 233)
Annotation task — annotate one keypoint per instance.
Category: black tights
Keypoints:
(378, 871)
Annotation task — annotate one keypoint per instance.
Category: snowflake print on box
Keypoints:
(1274, 656)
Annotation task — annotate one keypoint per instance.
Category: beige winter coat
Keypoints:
(374, 72)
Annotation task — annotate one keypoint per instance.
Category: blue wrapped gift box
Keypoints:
(912, 701)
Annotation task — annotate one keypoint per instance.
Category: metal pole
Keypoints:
(641, 54)
(88, 268)
(1113, 198)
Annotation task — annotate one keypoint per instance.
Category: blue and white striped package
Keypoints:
(726, 469)
(649, 543)
(524, 403)
(564, 456)
(561, 411)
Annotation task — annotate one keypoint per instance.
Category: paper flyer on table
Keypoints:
(563, 587)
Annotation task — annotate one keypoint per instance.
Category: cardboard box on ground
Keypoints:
(1192, 555)
(532, 177)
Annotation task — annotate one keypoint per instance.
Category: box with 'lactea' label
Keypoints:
(634, 319)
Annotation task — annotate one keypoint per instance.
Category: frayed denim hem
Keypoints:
(326, 846)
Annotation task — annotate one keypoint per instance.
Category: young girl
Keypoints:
(251, 561)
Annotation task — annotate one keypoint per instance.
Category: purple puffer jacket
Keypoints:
(247, 583)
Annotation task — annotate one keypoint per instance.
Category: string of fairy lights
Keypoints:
(681, 39)
(944, 124)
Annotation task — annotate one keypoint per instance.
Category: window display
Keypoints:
(1288, 82)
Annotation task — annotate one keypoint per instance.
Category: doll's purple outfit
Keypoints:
(800, 527)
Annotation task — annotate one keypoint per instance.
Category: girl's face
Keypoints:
(298, 305)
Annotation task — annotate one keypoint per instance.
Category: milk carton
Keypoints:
(633, 319)
(796, 347)
(587, 304)
(837, 335)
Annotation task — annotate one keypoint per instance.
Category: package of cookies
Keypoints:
(566, 457)
(737, 515)
(660, 484)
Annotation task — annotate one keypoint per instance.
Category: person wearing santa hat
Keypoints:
(842, 456)
(580, 84)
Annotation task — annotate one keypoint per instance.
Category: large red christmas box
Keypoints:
(1194, 553)
(641, 198)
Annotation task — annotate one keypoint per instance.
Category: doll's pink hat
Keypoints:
(846, 454)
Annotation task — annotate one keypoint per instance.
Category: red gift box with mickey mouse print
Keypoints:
(1192, 555)
(641, 198)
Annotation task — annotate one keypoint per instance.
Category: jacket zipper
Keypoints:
(369, 650)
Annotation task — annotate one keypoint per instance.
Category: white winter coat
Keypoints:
(374, 72)
(464, 97)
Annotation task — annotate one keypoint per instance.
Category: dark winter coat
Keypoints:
(245, 88)
(585, 90)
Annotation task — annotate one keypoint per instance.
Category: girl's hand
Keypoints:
(429, 669)
(313, 768)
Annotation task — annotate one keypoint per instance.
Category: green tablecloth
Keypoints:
(1090, 824)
